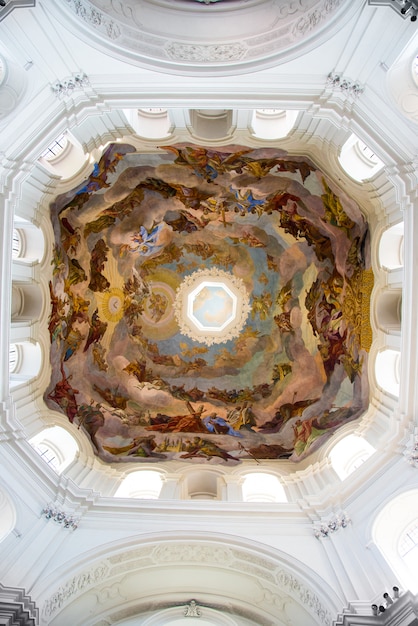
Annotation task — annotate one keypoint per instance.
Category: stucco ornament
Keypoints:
(212, 306)
(186, 32)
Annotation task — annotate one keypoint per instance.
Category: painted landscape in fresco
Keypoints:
(125, 240)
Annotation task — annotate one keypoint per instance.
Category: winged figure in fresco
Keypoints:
(72, 343)
(57, 310)
(199, 447)
(246, 203)
(70, 236)
(64, 395)
(96, 331)
(208, 164)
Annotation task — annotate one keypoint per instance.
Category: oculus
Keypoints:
(211, 306)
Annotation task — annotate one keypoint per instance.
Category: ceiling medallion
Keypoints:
(211, 306)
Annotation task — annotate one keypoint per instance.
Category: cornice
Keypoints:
(254, 35)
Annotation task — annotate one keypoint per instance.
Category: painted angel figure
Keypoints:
(147, 243)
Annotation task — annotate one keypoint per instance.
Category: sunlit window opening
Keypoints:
(16, 244)
(391, 247)
(56, 148)
(272, 124)
(150, 122)
(145, 484)
(349, 454)
(387, 369)
(13, 358)
(358, 160)
(396, 535)
(63, 157)
(56, 447)
(25, 361)
(262, 487)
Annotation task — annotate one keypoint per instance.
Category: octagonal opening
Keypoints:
(211, 306)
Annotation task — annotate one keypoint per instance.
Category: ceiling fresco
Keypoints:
(208, 305)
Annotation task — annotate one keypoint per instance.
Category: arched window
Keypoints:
(150, 123)
(395, 533)
(358, 160)
(408, 548)
(271, 124)
(145, 484)
(17, 243)
(391, 247)
(348, 454)
(13, 358)
(56, 447)
(25, 360)
(64, 156)
(28, 244)
(262, 487)
(387, 369)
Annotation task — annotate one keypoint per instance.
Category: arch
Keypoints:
(202, 485)
(27, 302)
(205, 616)
(25, 360)
(393, 523)
(141, 484)
(7, 515)
(358, 160)
(402, 81)
(387, 371)
(349, 453)
(272, 124)
(211, 124)
(64, 156)
(220, 572)
(262, 487)
(150, 123)
(56, 446)
(28, 244)
(391, 247)
(388, 310)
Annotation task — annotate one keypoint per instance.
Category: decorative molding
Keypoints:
(326, 528)
(17, 608)
(411, 451)
(60, 517)
(73, 587)
(193, 553)
(347, 86)
(404, 8)
(10, 5)
(234, 291)
(192, 610)
(66, 86)
(401, 611)
(94, 17)
(198, 53)
(312, 20)
(137, 29)
(294, 587)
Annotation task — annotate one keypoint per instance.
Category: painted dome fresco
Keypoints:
(208, 305)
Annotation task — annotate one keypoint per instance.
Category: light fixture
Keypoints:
(389, 600)
(404, 8)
